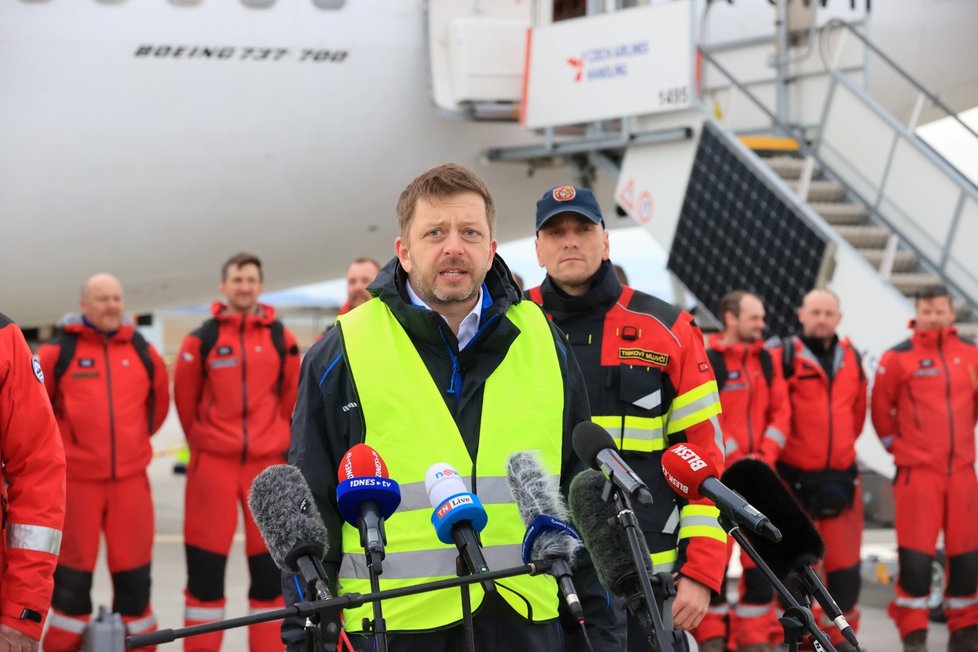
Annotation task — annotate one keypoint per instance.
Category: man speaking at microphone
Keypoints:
(649, 383)
(446, 364)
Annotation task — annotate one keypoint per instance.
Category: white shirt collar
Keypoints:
(470, 324)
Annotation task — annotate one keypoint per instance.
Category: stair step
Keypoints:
(864, 237)
(787, 167)
(908, 284)
(841, 212)
(903, 261)
(822, 190)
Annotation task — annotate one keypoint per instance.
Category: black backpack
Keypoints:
(720, 366)
(69, 341)
(208, 332)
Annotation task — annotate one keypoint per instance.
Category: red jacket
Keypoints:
(33, 485)
(102, 402)
(756, 415)
(237, 402)
(827, 415)
(925, 400)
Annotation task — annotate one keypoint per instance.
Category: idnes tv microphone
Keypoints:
(365, 497)
(458, 517)
(692, 475)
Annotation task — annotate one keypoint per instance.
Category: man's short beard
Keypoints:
(452, 299)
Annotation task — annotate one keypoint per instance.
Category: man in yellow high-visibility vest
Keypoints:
(446, 363)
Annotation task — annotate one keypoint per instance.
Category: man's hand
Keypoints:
(13, 641)
(692, 601)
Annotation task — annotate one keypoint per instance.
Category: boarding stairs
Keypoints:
(867, 174)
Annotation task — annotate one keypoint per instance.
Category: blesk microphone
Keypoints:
(692, 475)
(458, 516)
(597, 449)
(282, 506)
(366, 496)
(549, 537)
(800, 546)
(605, 538)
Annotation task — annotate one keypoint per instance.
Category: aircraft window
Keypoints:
(329, 4)
(258, 4)
(185, 3)
(564, 9)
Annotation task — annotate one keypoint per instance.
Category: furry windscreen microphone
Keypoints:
(760, 485)
(537, 494)
(287, 517)
(604, 537)
(549, 537)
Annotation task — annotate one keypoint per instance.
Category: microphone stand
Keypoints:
(331, 606)
(629, 521)
(468, 627)
(373, 538)
(814, 587)
(797, 619)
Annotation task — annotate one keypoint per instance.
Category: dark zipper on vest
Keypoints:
(947, 397)
(108, 384)
(244, 393)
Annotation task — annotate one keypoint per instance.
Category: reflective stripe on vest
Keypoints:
(409, 425)
(642, 434)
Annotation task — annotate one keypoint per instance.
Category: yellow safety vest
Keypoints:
(409, 424)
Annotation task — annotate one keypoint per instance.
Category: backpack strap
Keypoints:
(142, 350)
(66, 353)
(788, 356)
(277, 329)
(207, 334)
(719, 367)
(767, 366)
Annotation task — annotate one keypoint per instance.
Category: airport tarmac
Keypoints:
(877, 633)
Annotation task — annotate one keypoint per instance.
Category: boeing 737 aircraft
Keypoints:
(152, 139)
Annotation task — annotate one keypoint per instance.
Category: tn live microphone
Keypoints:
(549, 537)
(458, 517)
(692, 475)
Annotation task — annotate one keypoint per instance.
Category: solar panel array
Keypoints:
(737, 231)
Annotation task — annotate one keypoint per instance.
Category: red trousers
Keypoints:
(216, 485)
(752, 618)
(928, 501)
(123, 509)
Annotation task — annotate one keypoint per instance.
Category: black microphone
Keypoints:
(800, 546)
(692, 475)
(549, 537)
(282, 506)
(597, 449)
(607, 541)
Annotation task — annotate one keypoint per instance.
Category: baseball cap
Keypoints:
(567, 199)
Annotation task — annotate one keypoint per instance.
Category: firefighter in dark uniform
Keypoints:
(649, 384)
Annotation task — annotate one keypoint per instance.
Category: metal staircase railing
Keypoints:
(939, 247)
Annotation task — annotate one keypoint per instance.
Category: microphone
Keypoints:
(458, 517)
(607, 541)
(597, 449)
(692, 475)
(283, 508)
(549, 537)
(800, 547)
(365, 497)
